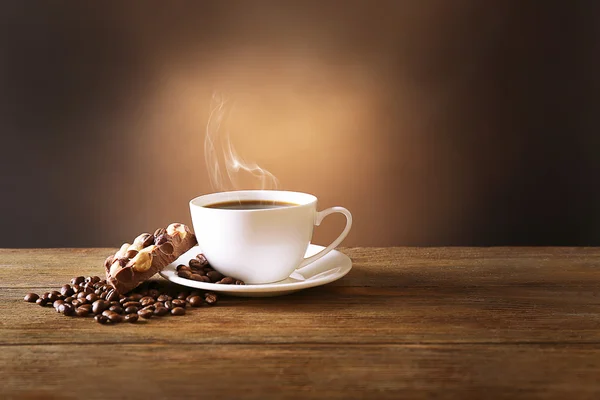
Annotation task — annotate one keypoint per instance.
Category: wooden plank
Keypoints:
(372, 267)
(299, 371)
(492, 314)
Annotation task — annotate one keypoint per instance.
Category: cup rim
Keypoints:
(210, 198)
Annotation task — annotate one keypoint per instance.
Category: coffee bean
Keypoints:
(179, 303)
(163, 298)
(227, 280)
(81, 295)
(46, 296)
(131, 318)
(160, 311)
(69, 299)
(238, 282)
(153, 293)
(31, 297)
(75, 303)
(98, 306)
(146, 314)
(215, 276)
(117, 309)
(67, 290)
(147, 239)
(112, 295)
(82, 311)
(132, 303)
(205, 279)
(77, 280)
(195, 263)
(169, 305)
(66, 309)
(158, 304)
(101, 319)
(183, 267)
(54, 295)
(131, 310)
(146, 301)
(202, 259)
(178, 311)
(195, 301)
(92, 297)
(161, 239)
(196, 277)
(115, 318)
(57, 303)
(102, 295)
(95, 279)
(210, 298)
(86, 306)
(135, 297)
(41, 302)
(184, 274)
(159, 231)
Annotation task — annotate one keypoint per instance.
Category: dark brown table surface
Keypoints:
(404, 323)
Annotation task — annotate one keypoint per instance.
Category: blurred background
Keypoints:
(461, 122)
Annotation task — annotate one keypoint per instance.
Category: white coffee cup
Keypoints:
(260, 245)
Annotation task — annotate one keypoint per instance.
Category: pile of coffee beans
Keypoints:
(198, 269)
(92, 296)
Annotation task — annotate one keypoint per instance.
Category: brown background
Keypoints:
(434, 122)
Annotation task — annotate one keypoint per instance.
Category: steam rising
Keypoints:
(222, 161)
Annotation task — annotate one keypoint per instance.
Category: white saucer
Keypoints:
(327, 269)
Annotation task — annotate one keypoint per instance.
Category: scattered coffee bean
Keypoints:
(195, 301)
(131, 318)
(197, 277)
(41, 302)
(82, 311)
(146, 301)
(54, 295)
(215, 276)
(182, 267)
(169, 305)
(75, 303)
(116, 318)
(69, 299)
(178, 303)
(158, 304)
(78, 280)
(98, 306)
(101, 319)
(132, 304)
(57, 303)
(163, 298)
(117, 309)
(81, 295)
(178, 311)
(182, 295)
(131, 310)
(227, 280)
(66, 309)
(112, 295)
(67, 290)
(184, 274)
(210, 298)
(161, 311)
(146, 314)
(195, 263)
(31, 297)
(202, 259)
(153, 293)
(135, 297)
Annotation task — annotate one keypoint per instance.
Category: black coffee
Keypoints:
(250, 204)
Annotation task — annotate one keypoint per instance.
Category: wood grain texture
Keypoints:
(405, 322)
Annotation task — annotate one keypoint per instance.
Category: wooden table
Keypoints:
(404, 323)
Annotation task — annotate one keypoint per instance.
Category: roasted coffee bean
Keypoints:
(150, 307)
(117, 309)
(102, 295)
(227, 280)
(184, 274)
(75, 303)
(31, 297)
(160, 231)
(200, 257)
(238, 282)
(147, 239)
(46, 296)
(101, 319)
(158, 304)
(69, 299)
(115, 318)
(215, 276)
(154, 293)
(179, 303)
(66, 290)
(210, 298)
(161, 239)
(57, 303)
(195, 263)
(195, 301)
(131, 318)
(54, 295)
(146, 314)
(77, 280)
(82, 312)
(113, 303)
(92, 297)
(161, 311)
(112, 295)
(66, 309)
(163, 298)
(98, 306)
(86, 306)
(98, 292)
(169, 305)
(196, 277)
(206, 279)
(182, 295)
(131, 310)
(41, 302)
(183, 267)
(81, 295)
(96, 279)
(132, 303)
(76, 288)
(146, 301)
(178, 311)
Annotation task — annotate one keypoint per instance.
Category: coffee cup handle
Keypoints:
(319, 218)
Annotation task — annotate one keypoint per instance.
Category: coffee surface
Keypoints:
(250, 204)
